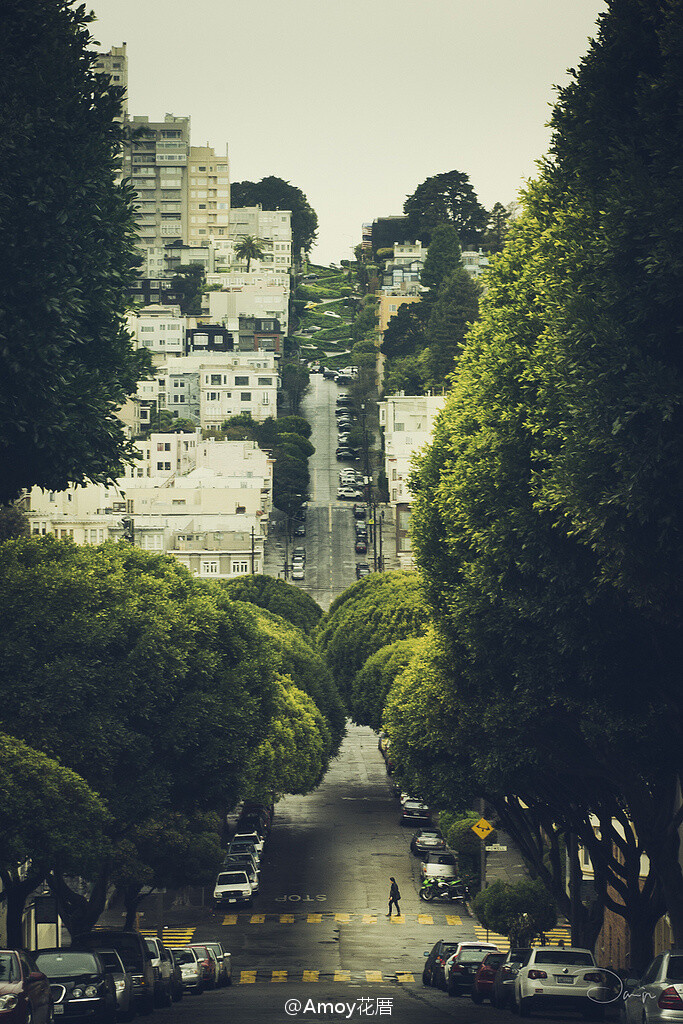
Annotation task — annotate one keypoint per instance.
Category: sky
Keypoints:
(356, 102)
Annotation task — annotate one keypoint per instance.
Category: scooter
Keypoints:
(451, 889)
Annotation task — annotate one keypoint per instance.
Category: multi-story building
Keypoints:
(209, 387)
(475, 262)
(389, 303)
(161, 329)
(273, 228)
(155, 158)
(236, 334)
(209, 195)
(263, 298)
(114, 64)
(407, 422)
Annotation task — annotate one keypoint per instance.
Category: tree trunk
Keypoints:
(80, 913)
(132, 898)
(15, 893)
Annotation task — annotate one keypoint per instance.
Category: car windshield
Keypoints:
(494, 959)
(448, 947)
(442, 858)
(9, 968)
(67, 964)
(110, 960)
(185, 956)
(151, 946)
(564, 957)
(674, 971)
(471, 956)
(232, 878)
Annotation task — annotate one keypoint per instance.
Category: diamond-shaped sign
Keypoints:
(482, 828)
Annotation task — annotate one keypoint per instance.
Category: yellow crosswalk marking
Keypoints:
(405, 978)
(342, 918)
(279, 976)
(314, 918)
(425, 919)
(247, 977)
(453, 919)
(310, 975)
(230, 919)
(342, 976)
(398, 920)
(150, 932)
(286, 918)
(374, 976)
(257, 919)
(369, 919)
(501, 941)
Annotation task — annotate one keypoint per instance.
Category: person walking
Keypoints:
(394, 897)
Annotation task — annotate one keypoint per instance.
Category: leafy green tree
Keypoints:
(444, 256)
(66, 362)
(49, 817)
(278, 597)
(249, 248)
(291, 478)
(276, 194)
(521, 911)
(457, 831)
(294, 425)
(499, 220)
(405, 332)
(189, 283)
(365, 321)
(373, 681)
(406, 374)
(376, 611)
(456, 307)
(446, 198)
(296, 381)
(296, 445)
(13, 523)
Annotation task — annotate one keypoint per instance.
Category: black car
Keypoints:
(345, 455)
(79, 984)
(135, 955)
(463, 969)
(300, 530)
(432, 973)
(362, 569)
(359, 511)
(361, 547)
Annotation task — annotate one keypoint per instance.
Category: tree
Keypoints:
(446, 198)
(278, 597)
(67, 362)
(296, 380)
(373, 681)
(188, 283)
(498, 226)
(444, 256)
(455, 309)
(249, 248)
(49, 817)
(13, 523)
(521, 911)
(405, 332)
(276, 194)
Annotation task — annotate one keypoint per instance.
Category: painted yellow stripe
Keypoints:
(406, 978)
(257, 919)
(342, 976)
(279, 976)
(374, 976)
(398, 920)
(369, 919)
(286, 918)
(425, 919)
(453, 919)
(342, 918)
(230, 919)
(314, 918)
(310, 975)
(247, 977)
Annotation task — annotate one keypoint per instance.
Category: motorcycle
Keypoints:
(451, 889)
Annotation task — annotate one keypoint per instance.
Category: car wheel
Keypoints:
(425, 979)
(453, 991)
(477, 997)
(228, 980)
(524, 1007)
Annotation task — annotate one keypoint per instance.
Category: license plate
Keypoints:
(58, 1008)
(562, 980)
(232, 900)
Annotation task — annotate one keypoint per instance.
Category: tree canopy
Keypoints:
(446, 198)
(66, 360)
(276, 194)
(521, 911)
(280, 598)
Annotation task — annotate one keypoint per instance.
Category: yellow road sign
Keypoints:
(482, 828)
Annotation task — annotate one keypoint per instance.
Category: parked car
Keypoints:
(232, 887)
(656, 997)
(242, 836)
(224, 962)
(359, 511)
(300, 530)
(462, 966)
(361, 547)
(191, 970)
(177, 987)
(328, 373)
(346, 454)
(299, 551)
(482, 986)
(244, 862)
(427, 840)
(432, 973)
(163, 969)
(266, 811)
(25, 994)
(208, 962)
(254, 822)
(414, 810)
(80, 985)
(298, 572)
(344, 378)
(349, 493)
(362, 569)
(503, 992)
(123, 983)
(135, 955)
(561, 979)
(440, 864)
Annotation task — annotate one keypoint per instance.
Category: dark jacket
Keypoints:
(394, 894)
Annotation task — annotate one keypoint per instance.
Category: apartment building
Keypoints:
(273, 228)
(209, 195)
(155, 158)
(210, 387)
(475, 262)
(160, 329)
(114, 64)
(407, 422)
(265, 301)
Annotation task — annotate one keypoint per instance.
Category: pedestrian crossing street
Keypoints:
(363, 919)
(552, 937)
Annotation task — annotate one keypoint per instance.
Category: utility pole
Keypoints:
(374, 534)
(252, 551)
(381, 524)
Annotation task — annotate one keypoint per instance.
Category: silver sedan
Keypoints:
(658, 996)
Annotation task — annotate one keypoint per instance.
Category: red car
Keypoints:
(482, 986)
(208, 963)
(24, 990)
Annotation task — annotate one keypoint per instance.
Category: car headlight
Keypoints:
(8, 1002)
(91, 991)
(77, 993)
(119, 986)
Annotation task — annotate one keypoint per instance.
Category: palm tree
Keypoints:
(249, 248)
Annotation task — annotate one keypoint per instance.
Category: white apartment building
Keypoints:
(209, 195)
(475, 263)
(155, 158)
(226, 384)
(264, 300)
(407, 422)
(114, 64)
(161, 329)
(408, 252)
(274, 230)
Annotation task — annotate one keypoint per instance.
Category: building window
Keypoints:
(245, 396)
(240, 568)
(265, 381)
(209, 568)
(241, 382)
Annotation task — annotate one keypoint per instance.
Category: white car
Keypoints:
(560, 978)
(251, 837)
(440, 864)
(298, 571)
(191, 972)
(232, 887)
(478, 947)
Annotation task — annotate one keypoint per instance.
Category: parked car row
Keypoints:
(524, 980)
(239, 879)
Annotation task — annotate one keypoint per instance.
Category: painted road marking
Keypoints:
(453, 919)
(257, 919)
(279, 976)
(342, 976)
(342, 918)
(369, 919)
(314, 919)
(398, 920)
(247, 977)
(310, 975)
(425, 919)
(405, 978)
(230, 919)
(374, 976)
(286, 918)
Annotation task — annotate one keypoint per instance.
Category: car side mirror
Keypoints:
(630, 984)
(426, 952)
(36, 976)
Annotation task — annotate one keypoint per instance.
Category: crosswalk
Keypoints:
(552, 937)
(171, 937)
(231, 920)
(350, 977)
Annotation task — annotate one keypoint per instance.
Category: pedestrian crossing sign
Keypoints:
(482, 828)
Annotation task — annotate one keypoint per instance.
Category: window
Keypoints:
(240, 567)
(399, 426)
(245, 396)
(265, 381)
(215, 378)
(213, 396)
(241, 381)
(209, 568)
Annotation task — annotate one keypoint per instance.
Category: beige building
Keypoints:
(155, 158)
(209, 195)
(114, 64)
(262, 298)
(389, 305)
(274, 230)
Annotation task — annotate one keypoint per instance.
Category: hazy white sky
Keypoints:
(356, 101)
